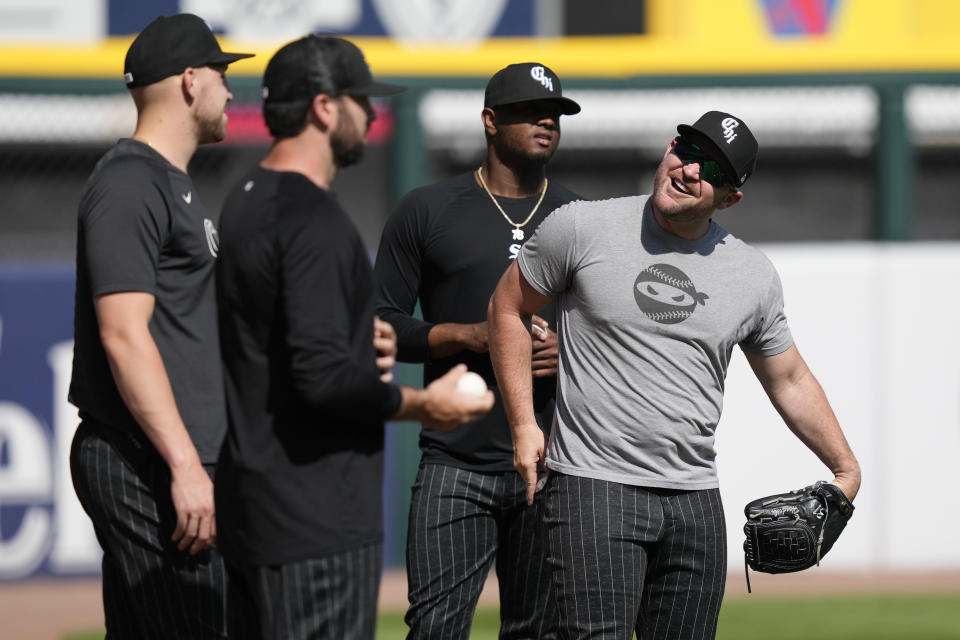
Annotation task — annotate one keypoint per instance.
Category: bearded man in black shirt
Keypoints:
(299, 488)
(447, 245)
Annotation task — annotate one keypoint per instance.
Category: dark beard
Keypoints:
(346, 144)
(346, 153)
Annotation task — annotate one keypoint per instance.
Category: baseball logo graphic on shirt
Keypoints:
(666, 294)
(213, 239)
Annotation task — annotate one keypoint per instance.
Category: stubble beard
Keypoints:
(680, 212)
(529, 160)
(665, 205)
(212, 130)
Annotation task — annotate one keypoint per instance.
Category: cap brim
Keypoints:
(565, 106)
(704, 141)
(375, 89)
(227, 58)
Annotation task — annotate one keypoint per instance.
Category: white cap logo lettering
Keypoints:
(728, 125)
(541, 77)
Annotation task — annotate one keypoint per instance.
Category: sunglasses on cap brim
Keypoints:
(690, 152)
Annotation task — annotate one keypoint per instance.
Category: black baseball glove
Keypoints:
(792, 531)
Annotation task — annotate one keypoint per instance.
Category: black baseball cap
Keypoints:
(524, 82)
(320, 64)
(170, 44)
(728, 140)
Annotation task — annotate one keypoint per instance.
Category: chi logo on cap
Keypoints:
(540, 76)
(728, 125)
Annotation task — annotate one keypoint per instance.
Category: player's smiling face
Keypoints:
(678, 191)
(529, 130)
(683, 201)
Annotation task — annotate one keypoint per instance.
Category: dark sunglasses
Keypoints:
(689, 153)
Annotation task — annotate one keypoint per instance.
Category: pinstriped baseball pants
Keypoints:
(333, 597)
(626, 558)
(460, 522)
(150, 588)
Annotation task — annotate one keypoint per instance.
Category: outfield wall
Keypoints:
(876, 323)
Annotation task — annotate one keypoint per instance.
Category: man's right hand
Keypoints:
(529, 446)
(440, 406)
(447, 408)
(192, 492)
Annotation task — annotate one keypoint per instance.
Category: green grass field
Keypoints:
(861, 617)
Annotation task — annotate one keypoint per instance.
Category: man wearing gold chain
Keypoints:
(446, 245)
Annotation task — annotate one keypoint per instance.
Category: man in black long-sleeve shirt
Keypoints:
(448, 244)
(300, 477)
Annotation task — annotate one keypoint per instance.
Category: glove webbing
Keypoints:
(826, 507)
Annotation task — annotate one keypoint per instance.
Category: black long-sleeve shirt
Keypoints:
(447, 245)
(302, 469)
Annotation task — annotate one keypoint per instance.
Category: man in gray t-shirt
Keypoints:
(652, 297)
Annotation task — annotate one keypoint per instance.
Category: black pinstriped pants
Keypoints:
(628, 558)
(460, 521)
(329, 598)
(150, 588)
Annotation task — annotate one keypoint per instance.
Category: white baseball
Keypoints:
(471, 384)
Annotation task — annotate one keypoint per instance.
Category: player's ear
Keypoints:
(489, 120)
(325, 110)
(670, 146)
(731, 198)
(188, 84)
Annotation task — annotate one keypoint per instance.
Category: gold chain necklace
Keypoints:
(517, 228)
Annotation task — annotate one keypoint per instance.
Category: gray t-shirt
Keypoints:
(647, 326)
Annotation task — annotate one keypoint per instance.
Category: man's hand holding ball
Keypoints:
(471, 384)
(456, 397)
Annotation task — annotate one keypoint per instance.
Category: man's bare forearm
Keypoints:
(449, 338)
(510, 346)
(509, 316)
(800, 400)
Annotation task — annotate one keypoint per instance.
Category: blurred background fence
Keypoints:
(856, 104)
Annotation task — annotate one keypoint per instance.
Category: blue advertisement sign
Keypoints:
(43, 529)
